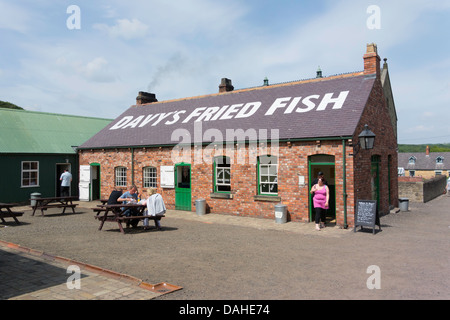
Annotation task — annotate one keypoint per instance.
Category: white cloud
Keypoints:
(13, 17)
(97, 70)
(185, 47)
(124, 28)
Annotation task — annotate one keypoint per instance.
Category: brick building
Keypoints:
(426, 164)
(244, 151)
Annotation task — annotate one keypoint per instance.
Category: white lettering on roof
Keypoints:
(236, 111)
(176, 117)
(338, 102)
(121, 122)
(281, 103)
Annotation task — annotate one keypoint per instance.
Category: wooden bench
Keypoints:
(53, 202)
(98, 210)
(123, 218)
(5, 212)
(157, 217)
(114, 213)
(50, 206)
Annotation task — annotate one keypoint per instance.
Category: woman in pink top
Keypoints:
(320, 200)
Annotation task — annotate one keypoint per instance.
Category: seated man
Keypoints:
(130, 196)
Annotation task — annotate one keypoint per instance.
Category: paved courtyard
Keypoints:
(216, 257)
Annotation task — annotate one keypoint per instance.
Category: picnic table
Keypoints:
(54, 202)
(114, 213)
(6, 212)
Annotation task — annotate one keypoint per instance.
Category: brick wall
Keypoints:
(293, 162)
(376, 115)
(417, 189)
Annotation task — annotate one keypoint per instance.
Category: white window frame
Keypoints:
(149, 177)
(221, 182)
(120, 176)
(29, 171)
(221, 165)
(265, 162)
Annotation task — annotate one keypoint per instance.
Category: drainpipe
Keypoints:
(344, 184)
(132, 166)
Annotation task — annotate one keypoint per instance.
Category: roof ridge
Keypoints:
(52, 113)
(294, 82)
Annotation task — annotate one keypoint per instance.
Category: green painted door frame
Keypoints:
(311, 178)
(183, 186)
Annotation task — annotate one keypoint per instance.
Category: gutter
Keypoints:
(132, 165)
(344, 183)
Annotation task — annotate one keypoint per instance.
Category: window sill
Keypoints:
(267, 198)
(217, 195)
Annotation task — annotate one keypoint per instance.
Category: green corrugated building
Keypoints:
(36, 147)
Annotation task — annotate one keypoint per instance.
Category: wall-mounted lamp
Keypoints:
(366, 140)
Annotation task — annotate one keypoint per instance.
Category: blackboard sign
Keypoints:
(367, 214)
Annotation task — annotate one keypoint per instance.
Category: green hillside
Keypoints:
(441, 147)
(9, 105)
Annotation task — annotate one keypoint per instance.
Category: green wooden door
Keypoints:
(183, 186)
(375, 178)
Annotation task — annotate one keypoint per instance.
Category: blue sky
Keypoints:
(183, 48)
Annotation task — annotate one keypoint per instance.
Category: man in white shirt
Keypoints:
(66, 179)
(448, 186)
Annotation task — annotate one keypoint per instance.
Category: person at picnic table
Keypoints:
(155, 206)
(129, 196)
(115, 194)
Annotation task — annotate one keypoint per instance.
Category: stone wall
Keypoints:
(417, 189)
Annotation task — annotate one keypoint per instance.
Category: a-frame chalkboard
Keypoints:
(367, 214)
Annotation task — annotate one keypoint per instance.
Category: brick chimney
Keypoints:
(145, 97)
(427, 153)
(372, 60)
(225, 85)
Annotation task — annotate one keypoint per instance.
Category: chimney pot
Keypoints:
(372, 60)
(145, 97)
(225, 85)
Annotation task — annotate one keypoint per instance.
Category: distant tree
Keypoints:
(442, 147)
(9, 105)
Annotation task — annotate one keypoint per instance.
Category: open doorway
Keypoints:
(95, 181)
(60, 167)
(325, 164)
